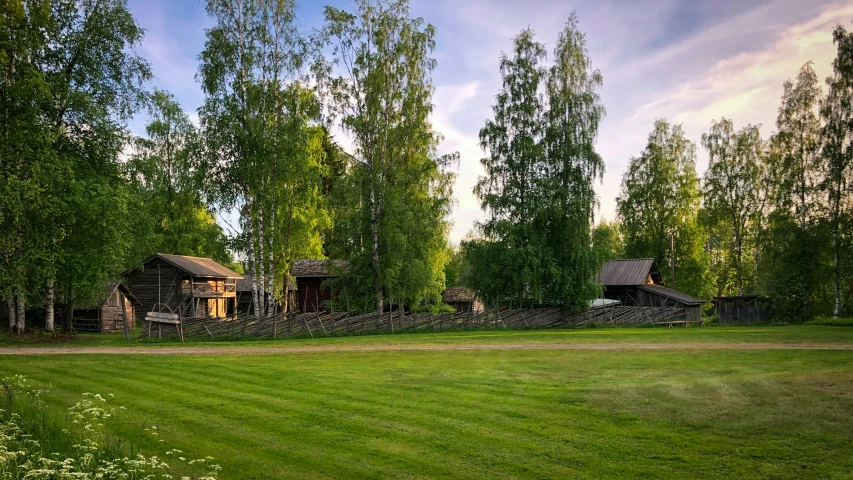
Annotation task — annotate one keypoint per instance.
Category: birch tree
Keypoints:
(257, 147)
(659, 205)
(379, 89)
(836, 166)
(732, 184)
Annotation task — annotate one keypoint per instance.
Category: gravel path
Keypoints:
(285, 350)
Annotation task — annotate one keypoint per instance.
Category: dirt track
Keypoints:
(285, 350)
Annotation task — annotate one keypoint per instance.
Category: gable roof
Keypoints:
(196, 266)
(680, 297)
(109, 288)
(629, 272)
(457, 294)
(317, 268)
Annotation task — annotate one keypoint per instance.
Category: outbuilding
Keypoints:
(106, 316)
(461, 299)
(638, 282)
(185, 286)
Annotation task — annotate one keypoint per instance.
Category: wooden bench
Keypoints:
(686, 323)
(161, 318)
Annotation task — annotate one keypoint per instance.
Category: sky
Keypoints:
(690, 62)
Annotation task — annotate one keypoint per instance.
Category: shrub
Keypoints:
(831, 321)
(37, 445)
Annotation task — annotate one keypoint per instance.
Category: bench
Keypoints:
(686, 323)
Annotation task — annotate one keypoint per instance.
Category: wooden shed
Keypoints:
(742, 309)
(183, 285)
(637, 282)
(105, 316)
(461, 299)
(309, 276)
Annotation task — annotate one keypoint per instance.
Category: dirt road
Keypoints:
(286, 350)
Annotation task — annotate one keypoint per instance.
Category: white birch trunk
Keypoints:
(262, 286)
(21, 314)
(49, 302)
(270, 266)
(252, 265)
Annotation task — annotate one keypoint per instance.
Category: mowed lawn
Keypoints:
(622, 412)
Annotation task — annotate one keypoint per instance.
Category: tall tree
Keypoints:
(82, 83)
(793, 264)
(836, 169)
(571, 168)
(659, 206)
(172, 216)
(732, 184)
(607, 242)
(510, 192)
(259, 150)
(382, 100)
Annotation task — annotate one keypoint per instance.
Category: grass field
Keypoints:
(620, 412)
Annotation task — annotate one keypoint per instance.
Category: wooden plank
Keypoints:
(162, 320)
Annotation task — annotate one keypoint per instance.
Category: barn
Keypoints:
(106, 316)
(309, 276)
(183, 285)
(638, 282)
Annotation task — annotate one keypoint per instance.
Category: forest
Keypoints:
(83, 199)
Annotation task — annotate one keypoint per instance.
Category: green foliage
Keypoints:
(733, 199)
(390, 209)
(607, 242)
(540, 168)
(659, 203)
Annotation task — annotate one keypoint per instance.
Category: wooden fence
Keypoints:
(330, 324)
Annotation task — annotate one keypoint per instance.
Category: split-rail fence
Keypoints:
(331, 324)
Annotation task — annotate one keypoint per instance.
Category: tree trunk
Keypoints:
(259, 258)
(374, 233)
(21, 314)
(126, 329)
(49, 301)
(270, 266)
(253, 271)
(837, 310)
(10, 305)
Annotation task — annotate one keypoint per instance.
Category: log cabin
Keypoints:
(183, 285)
(106, 316)
(638, 282)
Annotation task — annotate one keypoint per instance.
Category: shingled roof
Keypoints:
(318, 268)
(629, 272)
(457, 294)
(673, 294)
(196, 266)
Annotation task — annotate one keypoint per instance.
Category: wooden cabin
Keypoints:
(106, 316)
(309, 276)
(461, 299)
(185, 286)
(638, 282)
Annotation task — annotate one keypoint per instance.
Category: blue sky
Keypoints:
(687, 61)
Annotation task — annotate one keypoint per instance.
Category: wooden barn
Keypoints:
(742, 309)
(461, 299)
(106, 316)
(637, 282)
(185, 286)
(309, 276)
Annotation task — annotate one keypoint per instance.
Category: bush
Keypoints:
(831, 322)
(35, 444)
